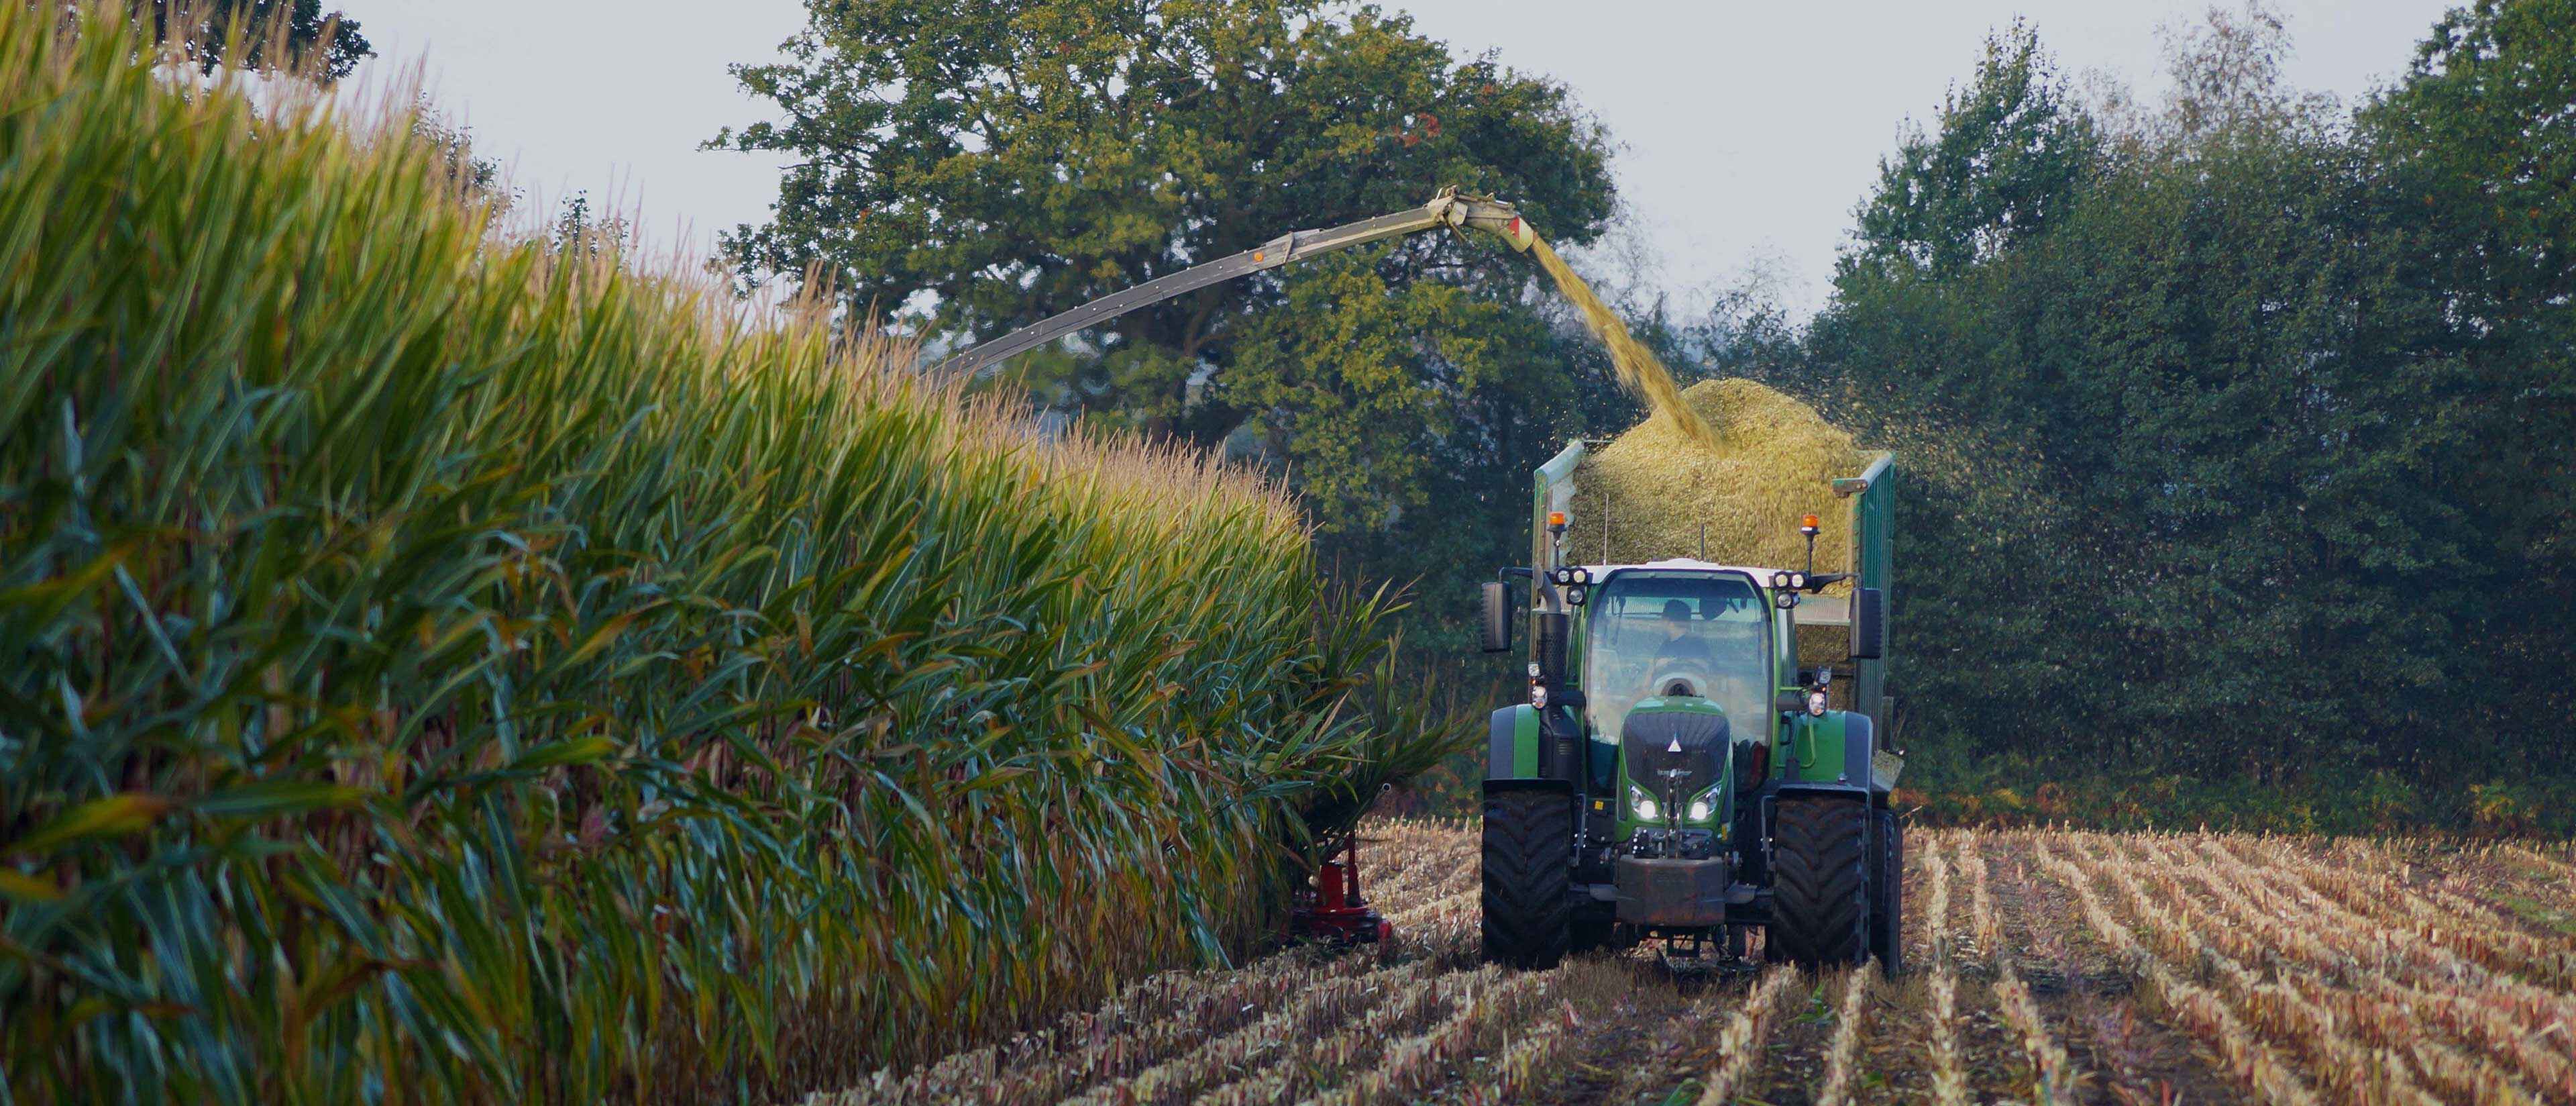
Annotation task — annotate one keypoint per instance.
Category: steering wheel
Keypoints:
(1695, 677)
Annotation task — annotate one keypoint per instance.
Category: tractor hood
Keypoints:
(1683, 733)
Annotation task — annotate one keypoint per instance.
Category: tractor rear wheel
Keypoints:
(1887, 897)
(1819, 889)
(1529, 877)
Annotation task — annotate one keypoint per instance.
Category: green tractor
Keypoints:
(1674, 775)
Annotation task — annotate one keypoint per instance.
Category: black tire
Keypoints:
(1887, 897)
(1529, 878)
(1819, 892)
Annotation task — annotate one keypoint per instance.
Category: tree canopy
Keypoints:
(2239, 425)
(2005, 161)
(206, 25)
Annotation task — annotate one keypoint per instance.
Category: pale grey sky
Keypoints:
(1748, 131)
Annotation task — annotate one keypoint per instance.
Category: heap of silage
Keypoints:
(1774, 460)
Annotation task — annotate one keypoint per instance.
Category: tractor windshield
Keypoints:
(1651, 631)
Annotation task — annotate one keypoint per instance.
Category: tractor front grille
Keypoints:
(1659, 741)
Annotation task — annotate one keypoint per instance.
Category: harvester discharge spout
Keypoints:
(1447, 209)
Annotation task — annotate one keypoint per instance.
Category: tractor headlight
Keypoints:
(1703, 806)
(1798, 581)
(1779, 579)
(1643, 804)
(1580, 574)
(1816, 702)
(1574, 595)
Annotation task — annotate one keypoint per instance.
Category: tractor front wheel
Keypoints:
(1819, 890)
(1529, 877)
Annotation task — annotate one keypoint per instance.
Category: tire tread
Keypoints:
(1887, 896)
(1528, 878)
(1820, 890)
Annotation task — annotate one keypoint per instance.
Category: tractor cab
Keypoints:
(1679, 663)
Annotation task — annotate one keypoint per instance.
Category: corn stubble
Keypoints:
(447, 667)
(2306, 970)
(1949, 1070)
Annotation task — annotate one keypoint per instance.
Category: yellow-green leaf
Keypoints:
(26, 888)
(115, 815)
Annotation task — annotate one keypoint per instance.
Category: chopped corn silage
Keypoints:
(1638, 369)
(1772, 460)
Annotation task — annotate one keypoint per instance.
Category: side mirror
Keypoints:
(1869, 624)
(1498, 617)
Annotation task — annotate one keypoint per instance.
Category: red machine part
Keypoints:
(1331, 909)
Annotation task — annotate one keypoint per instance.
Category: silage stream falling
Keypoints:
(1638, 369)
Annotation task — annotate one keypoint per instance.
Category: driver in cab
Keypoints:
(1681, 647)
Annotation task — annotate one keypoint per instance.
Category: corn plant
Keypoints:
(447, 667)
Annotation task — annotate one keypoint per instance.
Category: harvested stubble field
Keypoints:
(2047, 966)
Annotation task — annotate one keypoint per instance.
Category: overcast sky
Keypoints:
(1747, 130)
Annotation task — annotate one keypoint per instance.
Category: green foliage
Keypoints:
(478, 178)
(2246, 459)
(248, 33)
(2005, 163)
(457, 670)
(1359, 386)
(2055, 790)
(2475, 151)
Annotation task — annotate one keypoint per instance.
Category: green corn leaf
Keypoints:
(114, 816)
(26, 888)
(557, 754)
(277, 798)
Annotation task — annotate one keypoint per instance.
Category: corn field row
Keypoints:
(2048, 967)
